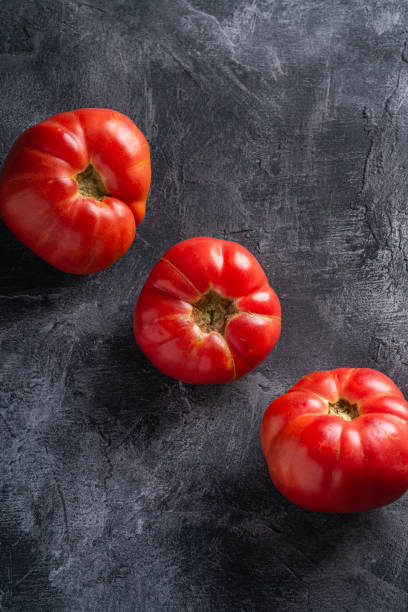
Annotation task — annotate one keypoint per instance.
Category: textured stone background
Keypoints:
(281, 124)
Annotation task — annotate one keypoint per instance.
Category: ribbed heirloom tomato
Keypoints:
(73, 188)
(337, 441)
(207, 313)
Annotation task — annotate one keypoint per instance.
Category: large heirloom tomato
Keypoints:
(337, 441)
(207, 313)
(73, 188)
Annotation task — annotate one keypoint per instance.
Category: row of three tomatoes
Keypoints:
(73, 189)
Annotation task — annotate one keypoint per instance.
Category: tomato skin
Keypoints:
(163, 324)
(324, 463)
(39, 198)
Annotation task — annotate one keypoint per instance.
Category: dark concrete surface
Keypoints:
(281, 124)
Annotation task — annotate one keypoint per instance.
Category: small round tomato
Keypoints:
(73, 188)
(337, 441)
(207, 313)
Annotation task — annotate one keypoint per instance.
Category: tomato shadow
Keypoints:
(122, 396)
(260, 552)
(21, 271)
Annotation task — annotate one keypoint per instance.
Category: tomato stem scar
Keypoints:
(213, 311)
(343, 409)
(91, 184)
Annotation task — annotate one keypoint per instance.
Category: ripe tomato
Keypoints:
(337, 441)
(73, 188)
(207, 313)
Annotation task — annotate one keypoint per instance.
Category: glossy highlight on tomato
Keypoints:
(337, 441)
(73, 188)
(207, 313)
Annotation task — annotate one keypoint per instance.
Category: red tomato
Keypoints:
(73, 188)
(207, 313)
(337, 441)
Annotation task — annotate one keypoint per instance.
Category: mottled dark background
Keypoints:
(281, 124)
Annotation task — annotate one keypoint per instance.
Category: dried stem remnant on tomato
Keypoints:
(213, 311)
(90, 183)
(342, 408)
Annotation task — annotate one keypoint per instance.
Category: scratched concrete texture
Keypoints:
(276, 123)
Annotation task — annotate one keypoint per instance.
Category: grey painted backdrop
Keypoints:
(281, 124)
